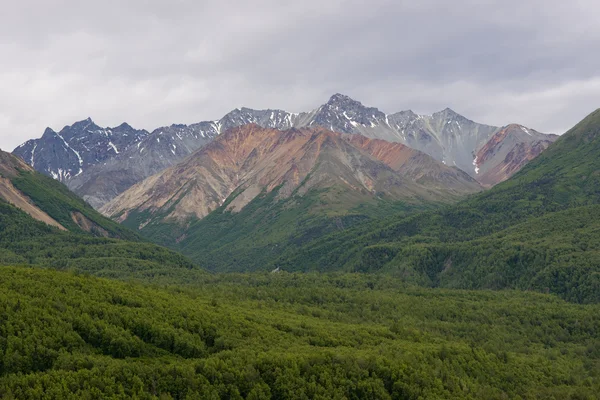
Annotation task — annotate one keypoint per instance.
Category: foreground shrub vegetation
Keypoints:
(64, 335)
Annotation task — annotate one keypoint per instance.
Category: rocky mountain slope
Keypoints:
(11, 167)
(249, 160)
(44, 224)
(446, 136)
(508, 150)
(161, 149)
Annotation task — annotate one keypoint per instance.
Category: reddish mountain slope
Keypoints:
(248, 160)
(507, 152)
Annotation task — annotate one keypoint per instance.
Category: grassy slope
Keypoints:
(284, 336)
(519, 234)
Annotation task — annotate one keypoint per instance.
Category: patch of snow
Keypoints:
(32, 163)
(217, 124)
(476, 166)
(525, 130)
(74, 151)
(113, 147)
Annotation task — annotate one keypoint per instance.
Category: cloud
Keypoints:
(153, 63)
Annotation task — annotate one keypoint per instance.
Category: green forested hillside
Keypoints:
(24, 240)
(250, 239)
(60, 203)
(539, 230)
(289, 336)
(90, 242)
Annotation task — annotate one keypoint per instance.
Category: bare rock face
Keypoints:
(84, 158)
(244, 162)
(507, 152)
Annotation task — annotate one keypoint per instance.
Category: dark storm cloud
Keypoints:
(156, 62)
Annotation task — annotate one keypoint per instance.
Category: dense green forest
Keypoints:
(65, 335)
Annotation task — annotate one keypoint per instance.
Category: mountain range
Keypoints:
(100, 163)
(312, 199)
(245, 162)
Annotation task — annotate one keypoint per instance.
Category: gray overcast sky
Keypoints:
(157, 62)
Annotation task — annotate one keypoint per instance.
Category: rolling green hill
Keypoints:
(288, 336)
(538, 230)
(49, 201)
(61, 204)
(43, 224)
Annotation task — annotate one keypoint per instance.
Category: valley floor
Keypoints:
(260, 336)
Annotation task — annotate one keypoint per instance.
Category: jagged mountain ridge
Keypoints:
(68, 153)
(446, 136)
(161, 149)
(250, 160)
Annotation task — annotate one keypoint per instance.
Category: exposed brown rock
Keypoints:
(10, 167)
(12, 195)
(88, 225)
(508, 151)
(249, 160)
